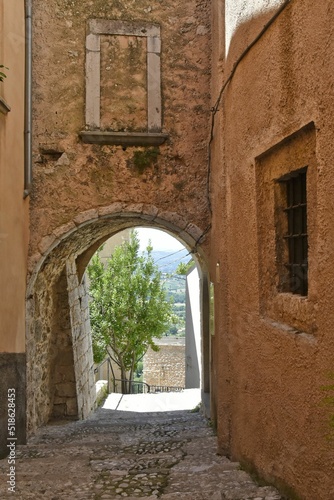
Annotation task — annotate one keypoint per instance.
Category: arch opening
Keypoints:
(176, 366)
(60, 369)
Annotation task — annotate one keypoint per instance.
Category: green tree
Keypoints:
(128, 307)
(183, 267)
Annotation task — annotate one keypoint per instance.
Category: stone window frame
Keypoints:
(93, 134)
(288, 311)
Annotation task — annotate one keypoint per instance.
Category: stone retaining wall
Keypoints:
(165, 367)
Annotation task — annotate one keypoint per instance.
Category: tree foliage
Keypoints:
(183, 267)
(128, 306)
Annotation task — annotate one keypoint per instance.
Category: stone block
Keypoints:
(59, 410)
(76, 318)
(149, 212)
(113, 209)
(71, 407)
(67, 390)
(63, 230)
(63, 160)
(153, 92)
(85, 343)
(47, 243)
(86, 216)
(154, 44)
(72, 283)
(64, 359)
(174, 218)
(93, 81)
(59, 400)
(59, 377)
(74, 296)
(134, 209)
(194, 231)
(33, 261)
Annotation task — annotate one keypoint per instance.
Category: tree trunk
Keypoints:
(131, 374)
(125, 382)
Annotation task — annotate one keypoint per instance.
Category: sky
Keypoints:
(160, 239)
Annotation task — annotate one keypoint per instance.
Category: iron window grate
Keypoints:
(296, 236)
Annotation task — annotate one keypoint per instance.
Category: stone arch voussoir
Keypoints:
(189, 233)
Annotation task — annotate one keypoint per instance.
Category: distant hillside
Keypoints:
(168, 261)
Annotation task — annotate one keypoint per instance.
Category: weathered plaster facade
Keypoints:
(175, 175)
(85, 54)
(273, 351)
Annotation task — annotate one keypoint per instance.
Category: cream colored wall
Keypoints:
(116, 240)
(13, 209)
(239, 12)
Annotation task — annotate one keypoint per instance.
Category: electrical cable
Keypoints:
(215, 108)
(172, 262)
(171, 254)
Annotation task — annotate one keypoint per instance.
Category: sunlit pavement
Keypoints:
(164, 401)
(154, 449)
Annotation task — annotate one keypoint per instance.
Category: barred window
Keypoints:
(296, 235)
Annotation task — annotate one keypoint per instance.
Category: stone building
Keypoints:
(212, 120)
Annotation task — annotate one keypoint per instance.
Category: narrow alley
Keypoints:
(115, 454)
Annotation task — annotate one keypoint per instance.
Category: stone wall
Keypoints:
(72, 370)
(82, 341)
(83, 192)
(63, 380)
(48, 303)
(169, 176)
(166, 367)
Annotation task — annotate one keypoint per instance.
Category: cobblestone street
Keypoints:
(113, 454)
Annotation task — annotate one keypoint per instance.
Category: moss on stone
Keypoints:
(144, 159)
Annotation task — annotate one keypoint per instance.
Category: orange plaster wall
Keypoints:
(270, 410)
(13, 209)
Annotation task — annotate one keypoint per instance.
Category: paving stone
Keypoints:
(112, 455)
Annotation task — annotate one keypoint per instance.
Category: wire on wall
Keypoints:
(215, 108)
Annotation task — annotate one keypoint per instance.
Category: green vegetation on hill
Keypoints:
(175, 287)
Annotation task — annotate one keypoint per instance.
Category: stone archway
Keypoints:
(60, 380)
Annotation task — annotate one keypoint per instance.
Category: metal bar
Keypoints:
(108, 375)
(28, 100)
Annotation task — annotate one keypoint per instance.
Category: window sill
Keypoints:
(124, 139)
(297, 311)
(4, 107)
(289, 330)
